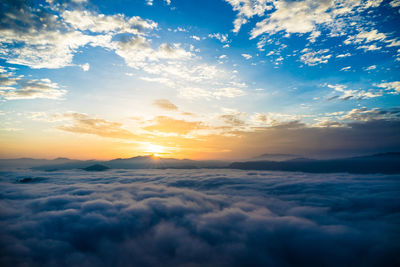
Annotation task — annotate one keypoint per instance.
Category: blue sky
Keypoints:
(120, 72)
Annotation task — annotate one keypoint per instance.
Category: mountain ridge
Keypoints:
(388, 162)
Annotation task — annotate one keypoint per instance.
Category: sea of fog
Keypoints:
(198, 218)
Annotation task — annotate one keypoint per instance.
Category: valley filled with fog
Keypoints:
(198, 218)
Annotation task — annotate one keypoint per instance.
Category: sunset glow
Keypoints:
(156, 150)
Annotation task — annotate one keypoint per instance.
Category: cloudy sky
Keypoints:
(221, 79)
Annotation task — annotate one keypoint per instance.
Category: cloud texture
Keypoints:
(198, 218)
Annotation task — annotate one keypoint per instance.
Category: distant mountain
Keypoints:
(387, 163)
(25, 163)
(140, 162)
(275, 157)
(151, 162)
(96, 168)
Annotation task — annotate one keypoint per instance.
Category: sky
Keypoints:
(210, 79)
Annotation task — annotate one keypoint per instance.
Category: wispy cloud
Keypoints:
(14, 87)
(313, 58)
(165, 104)
(83, 124)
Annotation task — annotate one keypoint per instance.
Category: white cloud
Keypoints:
(343, 55)
(297, 17)
(372, 3)
(161, 80)
(348, 94)
(391, 87)
(247, 9)
(197, 92)
(313, 58)
(85, 67)
(54, 43)
(223, 38)
(393, 43)
(372, 67)
(229, 92)
(261, 43)
(366, 37)
(138, 53)
(313, 36)
(369, 47)
(345, 68)
(195, 37)
(301, 17)
(13, 88)
(365, 114)
(395, 3)
(42, 49)
(194, 81)
(246, 56)
(100, 23)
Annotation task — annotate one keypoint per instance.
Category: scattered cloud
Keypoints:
(395, 3)
(165, 104)
(83, 124)
(223, 38)
(312, 58)
(166, 124)
(48, 40)
(302, 17)
(138, 54)
(372, 67)
(348, 94)
(313, 36)
(365, 114)
(391, 87)
(247, 56)
(364, 39)
(369, 47)
(14, 87)
(343, 55)
(85, 67)
(196, 93)
(246, 10)
(99, 23)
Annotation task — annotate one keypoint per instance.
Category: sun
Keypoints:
(156, 150)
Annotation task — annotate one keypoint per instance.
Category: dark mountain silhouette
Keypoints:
(140, 162)
(96, 168)
(24, 163)
(151, 162)
(275, 157)
(388, 163)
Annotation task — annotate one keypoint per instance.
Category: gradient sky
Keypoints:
(208, 79)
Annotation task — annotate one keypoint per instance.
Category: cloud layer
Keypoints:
(198, 218)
